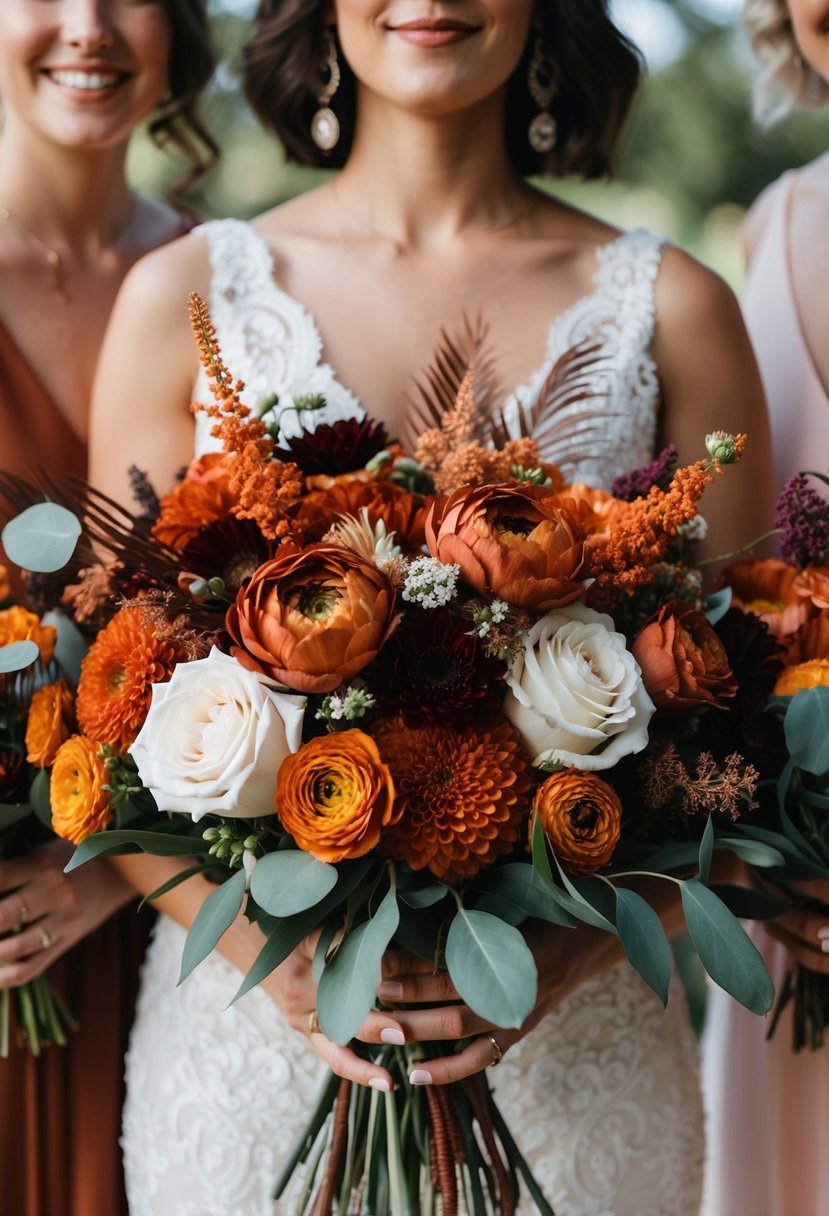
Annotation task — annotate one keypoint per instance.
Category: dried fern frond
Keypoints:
(436, 390)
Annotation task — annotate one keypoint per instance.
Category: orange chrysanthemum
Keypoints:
(80, 804)
(17, 624)
(335, 796)
(47, 726)
(203, 497)
(814, 673)
(581, 816)
(769, 589)
(123, 663)
(402, 512)
(460, 796)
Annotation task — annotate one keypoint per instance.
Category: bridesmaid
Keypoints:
(769, 1108)
(76, 78)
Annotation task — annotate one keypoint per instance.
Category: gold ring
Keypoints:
(313, 1023)
(24, 911)
(45, 938)
(497, 1053)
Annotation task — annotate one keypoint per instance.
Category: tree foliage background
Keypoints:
(693, 159)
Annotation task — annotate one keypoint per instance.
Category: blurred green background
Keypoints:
(692, 162)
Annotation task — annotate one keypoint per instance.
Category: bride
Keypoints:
(436, 109)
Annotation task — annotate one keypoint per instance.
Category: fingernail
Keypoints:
(824, 945)
(420, 1077)
(823, 934)
(395, 1038)
(390, 988)
(380, 1083)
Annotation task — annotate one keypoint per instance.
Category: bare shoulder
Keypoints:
(162, 280)
(691, 297)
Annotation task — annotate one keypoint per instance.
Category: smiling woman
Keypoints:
(76, 79)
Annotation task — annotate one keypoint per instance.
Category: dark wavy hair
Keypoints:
(176, 123)
(596, 69)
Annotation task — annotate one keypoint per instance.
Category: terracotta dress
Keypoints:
(59, 1116)
(768, 1109)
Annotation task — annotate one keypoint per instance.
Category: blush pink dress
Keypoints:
(768, 1109)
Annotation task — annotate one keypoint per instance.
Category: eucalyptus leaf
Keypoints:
(290, 881)
(677, 856)
(717, 604)
(540, 856)
(324, 941)
(424, 897)
(492, 967)
(706, 851)
(42, 538)
(71, 646)
(39, 796)
(214, 918)
(159, 844)
(726, 952)
(348, 985)
(806, 727)
(581, 907)
(748, 904)
(504, 909)
(17, 656)
(517, 881)
(753, 852)
(172, 883)
(644, 941)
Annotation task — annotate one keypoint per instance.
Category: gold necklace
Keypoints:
(52, 256)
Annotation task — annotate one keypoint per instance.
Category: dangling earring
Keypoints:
(325, 126)
(542, 86)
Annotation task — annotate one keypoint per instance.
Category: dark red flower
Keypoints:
(231, 549)
(339, 447)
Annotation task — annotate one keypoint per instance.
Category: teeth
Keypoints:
(85, 80)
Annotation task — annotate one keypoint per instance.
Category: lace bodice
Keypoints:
(273, 343)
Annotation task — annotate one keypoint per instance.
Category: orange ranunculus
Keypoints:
(683, 661)
(335, 795)
(518, 542)
(461, 796)
(201, 498)
(5, 586)
(17, 624)
(768, 588)
(313, 617)
(810, 642)
(581, 816)
(811, 674)
(117, 675)
(47, 724)
(594, 509)
(813, 584)
(80, 804)
(402, 512)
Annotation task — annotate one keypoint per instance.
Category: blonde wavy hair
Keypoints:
(785, 81)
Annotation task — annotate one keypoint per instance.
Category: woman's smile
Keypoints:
(434, 32)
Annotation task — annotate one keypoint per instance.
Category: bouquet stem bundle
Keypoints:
(41, 1015)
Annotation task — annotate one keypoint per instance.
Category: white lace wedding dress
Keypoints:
(604, 1095)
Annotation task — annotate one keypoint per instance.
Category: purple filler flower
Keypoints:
(637, 484)
(803, 518)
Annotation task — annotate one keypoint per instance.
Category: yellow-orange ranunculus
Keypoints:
(200, 499)
(17, 624)
(47, 724)
(811, 674)
(80, 804)
(335, 795)
(581, 816)
(683, 661)
(769, 589)
(313, 617)
(518, 542)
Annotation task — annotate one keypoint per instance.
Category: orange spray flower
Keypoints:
(80, 804)
(47, 726)
(581, 816)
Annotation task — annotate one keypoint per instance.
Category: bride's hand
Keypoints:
(565, 959)
(44, 912)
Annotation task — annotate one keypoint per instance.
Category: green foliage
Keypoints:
(291, 881)
(17, 656)
(726, 951)
(215, 916)
(42, 538)
(492, 967)
(644, 941)
(348, 985)
(807, 730)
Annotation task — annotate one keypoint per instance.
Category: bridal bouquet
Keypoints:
(784, 603)
(35, 717)
(418, 698)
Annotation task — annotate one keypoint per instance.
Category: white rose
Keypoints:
(576, 694)
(214, 739)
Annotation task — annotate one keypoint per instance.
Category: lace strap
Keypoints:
(628, 268)
(240, 261)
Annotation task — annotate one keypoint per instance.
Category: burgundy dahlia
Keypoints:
(230, 549)
(340, 447)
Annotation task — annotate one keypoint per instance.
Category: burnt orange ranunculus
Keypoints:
(683, 661)
(402, 512)
(117, 675)
(581, 816)
(311, 618)
(47, 726)
(768, 588)
(594, 509)
(201, 498)
(335, 795)
(520, 543)
(461, 796)
(810, 642)
(80, 804)
(17, 624)
(811, 674)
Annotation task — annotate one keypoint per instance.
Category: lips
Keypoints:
(434, 31)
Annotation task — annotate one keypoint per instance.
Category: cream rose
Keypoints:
(214, 739)
(576, 694)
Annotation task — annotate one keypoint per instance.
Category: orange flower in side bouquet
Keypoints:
(201, 498)
(769, 589)
(17, 624)
(810, 642)
(812, 674)
(47, 726)
(813, 585)
(80, 804)
(594, 509)
(400, 511)
(517, 542)
(335, 796)
(117, 676)
(581, 816)
(311, 618)
(461, 796)
(683, 661)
